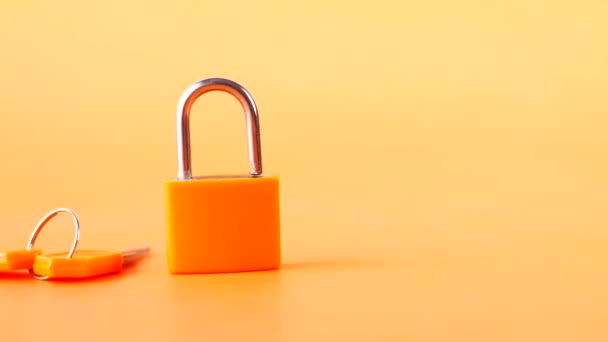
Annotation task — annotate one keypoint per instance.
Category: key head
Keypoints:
(83, 264)
(17, 260)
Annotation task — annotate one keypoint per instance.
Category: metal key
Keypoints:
(77, 264)
(17, 260)
(84, 264)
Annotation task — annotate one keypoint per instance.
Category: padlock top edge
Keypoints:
(223, 177)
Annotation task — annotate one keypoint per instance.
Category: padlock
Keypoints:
(220, 224)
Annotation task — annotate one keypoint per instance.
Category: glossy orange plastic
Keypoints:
(17, 260)
(83, 264)
(223, 224)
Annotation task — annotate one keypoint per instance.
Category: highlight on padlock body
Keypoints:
(221, 223)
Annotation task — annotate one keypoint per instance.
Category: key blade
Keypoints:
(133, 255)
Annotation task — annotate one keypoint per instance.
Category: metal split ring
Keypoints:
(41, 225)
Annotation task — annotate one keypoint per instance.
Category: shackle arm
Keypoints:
(183, 123)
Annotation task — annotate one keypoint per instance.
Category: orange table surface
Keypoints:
(385, 282)
(443, 166)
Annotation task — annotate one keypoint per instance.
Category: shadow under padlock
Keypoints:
(226, 223)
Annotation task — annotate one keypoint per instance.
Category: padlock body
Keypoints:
(223, 224)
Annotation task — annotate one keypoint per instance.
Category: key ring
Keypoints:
(41, 225)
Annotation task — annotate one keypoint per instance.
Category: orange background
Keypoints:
(443, 165)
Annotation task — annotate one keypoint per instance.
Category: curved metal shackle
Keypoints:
(183, 123)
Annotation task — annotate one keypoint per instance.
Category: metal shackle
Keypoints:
(183, 123)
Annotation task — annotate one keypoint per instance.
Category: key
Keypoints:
(84, 264)
(17, 260)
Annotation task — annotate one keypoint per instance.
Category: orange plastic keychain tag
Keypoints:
(84, 264)
(77, 264)
(17, 260)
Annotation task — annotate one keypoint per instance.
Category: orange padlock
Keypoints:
(219, 224)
